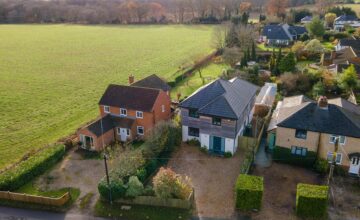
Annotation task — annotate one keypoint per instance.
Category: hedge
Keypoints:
(311, 200)
(27, 170)
(284, 155)
(249, 192)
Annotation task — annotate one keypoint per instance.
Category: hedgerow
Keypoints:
(27, 170)
(311, 200)
(249, 192)
(284, 155)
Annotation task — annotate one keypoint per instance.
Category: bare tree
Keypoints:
(219, 37)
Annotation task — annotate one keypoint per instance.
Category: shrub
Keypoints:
(149, 191)
(249, 192)
(284, 155)
(311, 200)
(194, 142)
(204, 149)
(167, 184)
(227, 154)
(117, 186)
(35, 165)
(321, 166)
(141, 174)
(135, 187)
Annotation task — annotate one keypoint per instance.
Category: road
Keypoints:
(7, 213)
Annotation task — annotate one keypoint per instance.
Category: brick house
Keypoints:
(304, 130)
(127, 113)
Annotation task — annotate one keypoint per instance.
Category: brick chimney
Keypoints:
(323, 102)
(131, 79)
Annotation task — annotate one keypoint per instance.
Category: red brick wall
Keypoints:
(108, 138)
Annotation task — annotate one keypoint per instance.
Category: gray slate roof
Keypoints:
(346, 18)
(282, 31)
(109, 122)
(222, 98)
(152, 81)
(334, 120)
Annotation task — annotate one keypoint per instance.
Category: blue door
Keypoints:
(217, 145)
(272, 141)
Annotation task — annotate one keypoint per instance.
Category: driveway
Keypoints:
(280, 181)
(213, 179)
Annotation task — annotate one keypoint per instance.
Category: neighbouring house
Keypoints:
(127, 113)
(306, 19)
(265, 99)
(303, 130)
(152, 81)
(347, 52)
(218, 113)
(343, 20)
(281, 34)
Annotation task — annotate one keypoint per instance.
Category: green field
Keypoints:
(52, 76)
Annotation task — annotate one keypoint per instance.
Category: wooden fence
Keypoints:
(156, 201)
(20, 197)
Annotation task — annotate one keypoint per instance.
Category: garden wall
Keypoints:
(156, 201)
(19, 197)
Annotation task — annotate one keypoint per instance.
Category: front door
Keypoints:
(218, 145)
(354, 165)
(123, 134)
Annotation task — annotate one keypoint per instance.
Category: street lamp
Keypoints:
(107, 176)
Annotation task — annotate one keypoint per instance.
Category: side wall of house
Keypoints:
(108, 137)
(285, 137)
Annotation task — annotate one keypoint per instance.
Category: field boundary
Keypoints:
(20, 197)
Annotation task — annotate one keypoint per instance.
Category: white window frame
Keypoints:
(162, 108)
(118, 129)
(299, 151)
(123, 109)
(332, 139)
(138, 113)
(330, 154)
(105, 107)
(137, 130)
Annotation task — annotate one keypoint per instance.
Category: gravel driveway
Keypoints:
(213, 179)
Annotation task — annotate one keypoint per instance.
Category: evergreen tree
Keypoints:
(272, 63)
(318, 89)
(287, 64)
(248, 55)
(253, 52)
(277, 63)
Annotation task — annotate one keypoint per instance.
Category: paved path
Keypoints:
(7, 213)
(262, 158)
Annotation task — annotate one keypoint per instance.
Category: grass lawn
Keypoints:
(328, 45)
(140, 212)
(52, 76)
(190, 84)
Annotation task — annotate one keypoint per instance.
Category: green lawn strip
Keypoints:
(140, 212)
(52, 81)
(85, 200)
(328, 45)
(262, 47)
(33, 190)
(192, 83)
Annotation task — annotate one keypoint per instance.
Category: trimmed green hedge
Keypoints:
(249, 192)
(311, 200)
(37, 164)
(284, 155)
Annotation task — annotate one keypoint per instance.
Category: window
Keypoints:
(106, 109)
(123, 112)
(300, 134)
(163, 108)
(88, 142)
(216, 121)
(139, 114)
(301, 151)
(193, 132)
(193, 113)
(127, 132)
(330, 156)
(140, 130)
(342, 139)
(118, 131)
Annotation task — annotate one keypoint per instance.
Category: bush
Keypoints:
(204, 149)
(194, 142)
(27, 170)
(311, 200)
(227, 154)
(249, 192)
(141, 174)
(321, 166)
(167, 184)
(284, 155)
(117, 186)
(149, 191)
(135, 187)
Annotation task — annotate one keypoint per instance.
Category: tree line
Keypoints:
(130, 11)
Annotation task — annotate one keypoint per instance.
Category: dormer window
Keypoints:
(106, 109)
(123, 112)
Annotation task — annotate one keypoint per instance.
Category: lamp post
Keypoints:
(107, 177)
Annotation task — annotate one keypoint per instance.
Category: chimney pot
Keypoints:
(131, 79)
(323, 102)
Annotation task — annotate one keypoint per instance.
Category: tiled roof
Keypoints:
(354, 43)
(108, 122)
(129, 97)
(346, 18)
(222, 98)
(152, 81)
(282, 31)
